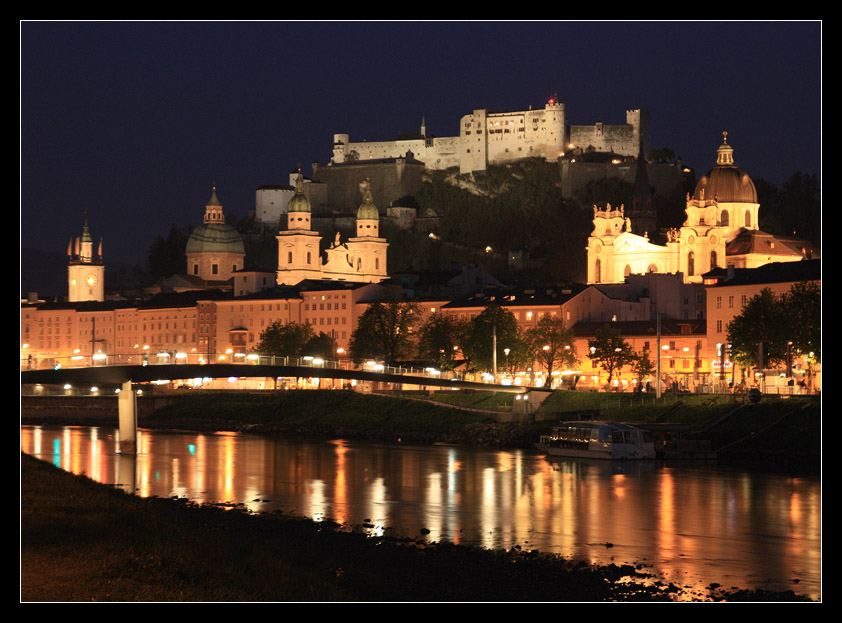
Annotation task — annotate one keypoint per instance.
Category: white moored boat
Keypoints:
(598, 440)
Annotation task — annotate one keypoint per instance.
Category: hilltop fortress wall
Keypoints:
(487, 138)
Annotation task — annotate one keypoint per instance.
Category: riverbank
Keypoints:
(83, 541)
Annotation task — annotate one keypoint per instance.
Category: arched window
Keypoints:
(723, 218)
(289, 257)
(748, 218)
(712, 260)
(308, 257)
(691, 263)
(652, 268)
(597, 269)
(627, 271)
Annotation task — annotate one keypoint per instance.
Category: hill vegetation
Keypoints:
(519, 209)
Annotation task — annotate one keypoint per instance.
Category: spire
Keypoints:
(641, 177)
(642, 211)
(86, 234)
(213, 209)
(214, 200)
(725, 153)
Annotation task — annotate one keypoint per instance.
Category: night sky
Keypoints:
(135, 121)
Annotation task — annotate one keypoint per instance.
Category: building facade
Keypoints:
(358, 259)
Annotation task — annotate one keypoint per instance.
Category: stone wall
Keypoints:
(389, 181)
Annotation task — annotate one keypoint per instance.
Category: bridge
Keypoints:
(127, 375)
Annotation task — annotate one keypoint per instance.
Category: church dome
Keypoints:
(299, 203)
(725, 183)
(215, 238)
(368, 210)
(214, 235)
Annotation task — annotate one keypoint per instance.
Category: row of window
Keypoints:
(743, 301)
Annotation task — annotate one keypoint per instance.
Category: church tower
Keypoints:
(298, 245)
(642, 211)
(85, 274)
(368, 249)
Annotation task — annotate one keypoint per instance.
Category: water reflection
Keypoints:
(692, 525)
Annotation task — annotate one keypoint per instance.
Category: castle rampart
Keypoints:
(487, 137)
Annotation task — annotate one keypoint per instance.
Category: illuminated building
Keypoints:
(215, 250)
(720, 229)
(85, 273)
(487, 137)
(358, 259)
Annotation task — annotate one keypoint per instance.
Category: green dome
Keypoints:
(299, 202)
(215, 238)
(368, 211)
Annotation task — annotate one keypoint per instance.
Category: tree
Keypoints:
(610, 351)
(440, 338)
(166, 255)
(284, 340)
(803, 313)
(762, 321)
(605, 190)
(384, 331)
(322, 346)
(551, 343)
(643, 367)
(478, 348)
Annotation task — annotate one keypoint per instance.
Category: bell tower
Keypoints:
(85, 273)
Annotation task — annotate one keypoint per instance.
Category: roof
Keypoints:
(670, 327)
(761, 243)
(182, 299)
(774, 272)
(725, 183)
(215, 238)
(518, 296)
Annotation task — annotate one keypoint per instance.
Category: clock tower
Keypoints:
(85, 274)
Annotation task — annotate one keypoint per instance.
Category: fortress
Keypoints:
(487, 138)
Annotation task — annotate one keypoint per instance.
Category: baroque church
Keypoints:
(359, 259)
(720, 230)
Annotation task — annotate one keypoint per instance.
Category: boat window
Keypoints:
(621, 436)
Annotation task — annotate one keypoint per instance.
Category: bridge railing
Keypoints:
(175, 358)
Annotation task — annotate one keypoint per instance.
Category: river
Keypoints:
(692, 524)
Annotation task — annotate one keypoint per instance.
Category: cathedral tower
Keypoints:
(642, 211)
(298, 245)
